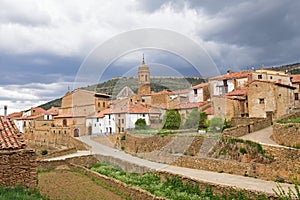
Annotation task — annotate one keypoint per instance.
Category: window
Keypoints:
(296, 96)
(259, 76)
(271, 77)
(261, 101)
(225, 83)
(108, 116)
(122, 121)
(143, 100)
(98, 104)
(103, 104)
(143, 115)
(195, 92)
(122, 129)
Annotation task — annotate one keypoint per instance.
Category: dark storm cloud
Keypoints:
(24, 69)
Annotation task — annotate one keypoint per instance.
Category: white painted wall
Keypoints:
(132, 117)
(198, 97)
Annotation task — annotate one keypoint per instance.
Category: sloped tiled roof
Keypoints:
(241, 92)
(296, 78)
(201, 85)
(232, 75)
(41, 110)
(189, 105)
(10, 137)
(279, 84)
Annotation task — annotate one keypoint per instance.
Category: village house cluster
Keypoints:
(257, 93)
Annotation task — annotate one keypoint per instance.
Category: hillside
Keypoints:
(291, 68)
(115, 85)
(48, 105)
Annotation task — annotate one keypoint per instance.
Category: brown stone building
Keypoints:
(18, 165)
(76, 106)
(296, 84)
(269, 99)
(143, 79)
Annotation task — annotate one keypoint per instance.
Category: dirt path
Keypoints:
(262, 136)
(63, 184)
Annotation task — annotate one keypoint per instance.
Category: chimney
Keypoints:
(5, 113)
(229, 71)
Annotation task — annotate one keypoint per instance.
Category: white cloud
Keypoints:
(21, 97)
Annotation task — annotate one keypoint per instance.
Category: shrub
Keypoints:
(172, 120)
(196, 120)
(216, 124)
(44, 152)
(140, 123)
(123, 137)
(243, 150)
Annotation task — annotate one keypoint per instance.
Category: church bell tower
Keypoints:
(143, 79)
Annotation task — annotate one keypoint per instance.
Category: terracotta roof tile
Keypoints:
(190, 105)
(10, 137)
(296, 78)
(232, 75)
(201, 85)
(241, 92)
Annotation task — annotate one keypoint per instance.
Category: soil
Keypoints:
(63, 184)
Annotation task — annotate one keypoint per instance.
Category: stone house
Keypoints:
(18, 165)
(199, 93)
(296, 84)
(102, 123)
(271, 76)
(269, 99)
(220, 85)
(76, 106)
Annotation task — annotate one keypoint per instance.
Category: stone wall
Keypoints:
(53, 137)
(59, 153)
(18, 167)
(287, 134)
(286, 164)
(243, 126)
(290, 116)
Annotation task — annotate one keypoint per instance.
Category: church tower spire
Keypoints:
(143, 79)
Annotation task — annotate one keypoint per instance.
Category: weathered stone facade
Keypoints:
(287, 134)
(18, 167)
(268, 97)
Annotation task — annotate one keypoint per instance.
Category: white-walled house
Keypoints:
(103, 123)
(199, 93)
(220, 85)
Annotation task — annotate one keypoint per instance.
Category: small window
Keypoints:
(271, 77)
(143, 115)
(259, 76)
(98, 104)
(143, 100)
(195, 92)
(122, 121)
(103, 104)
(225, 83)
(122, 129)
(261, 101)
(296, 96)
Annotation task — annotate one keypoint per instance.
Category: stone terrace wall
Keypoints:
(287, 134)
(243, 126)
(286, 164)
(18, 167)
(290, 116)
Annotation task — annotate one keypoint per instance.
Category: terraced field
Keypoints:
(64, 184)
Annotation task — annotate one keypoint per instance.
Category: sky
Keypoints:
(45, 45)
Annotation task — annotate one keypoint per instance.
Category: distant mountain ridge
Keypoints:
(290, 68)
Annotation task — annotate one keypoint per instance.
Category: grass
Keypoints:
(171, 188)
(147, 131)
(20, 192)
(295, 120)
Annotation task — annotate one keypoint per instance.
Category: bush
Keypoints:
(243, 150)
(172, 120)
(196, 120)
(123, 137)
(140, 123)
(44, 152)
(216, 124)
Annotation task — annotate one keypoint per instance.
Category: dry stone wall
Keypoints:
(18, 167)
(287, 134)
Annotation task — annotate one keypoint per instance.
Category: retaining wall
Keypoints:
(18, 167)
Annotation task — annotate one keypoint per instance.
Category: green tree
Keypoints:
(172, 120)
(216, 124)
(140, 123)
(196, 120)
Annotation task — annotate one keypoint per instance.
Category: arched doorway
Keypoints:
(76, 132)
